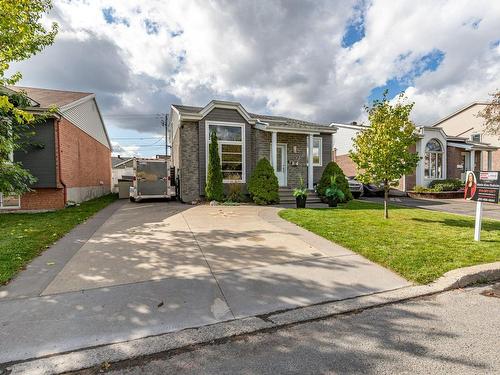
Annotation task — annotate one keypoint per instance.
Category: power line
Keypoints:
(131, 115)
(139, 138)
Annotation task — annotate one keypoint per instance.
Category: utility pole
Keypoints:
(165, 124)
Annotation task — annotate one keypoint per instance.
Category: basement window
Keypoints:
(10, 201)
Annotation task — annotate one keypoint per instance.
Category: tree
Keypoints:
(382, 151)
(263, 185)
(21, 36)
(214, 189)
(491, 115)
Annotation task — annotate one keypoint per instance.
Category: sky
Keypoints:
(314, 60)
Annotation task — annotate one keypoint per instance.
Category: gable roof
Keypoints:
(47, 98)
(457, 112)
(264, 122)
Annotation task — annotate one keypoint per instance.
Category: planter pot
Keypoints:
(301, 202)
(332, 202)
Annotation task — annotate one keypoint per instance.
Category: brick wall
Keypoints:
(189, 164)
(85, 162)
(453, 158)
(43, 199)
(496, 160)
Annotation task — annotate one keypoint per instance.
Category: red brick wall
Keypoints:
(84, 161)
(453, 158)
(347, 165)
(496, 161)
(43, 199)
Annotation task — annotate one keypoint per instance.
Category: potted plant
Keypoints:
(333, 193)
(300, 193)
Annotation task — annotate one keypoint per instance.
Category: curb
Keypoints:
(189, 338)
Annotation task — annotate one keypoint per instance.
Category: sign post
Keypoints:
(481, 187)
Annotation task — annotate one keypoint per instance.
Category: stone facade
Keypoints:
(189, 173)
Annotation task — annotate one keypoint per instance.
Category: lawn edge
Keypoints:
(192, 338)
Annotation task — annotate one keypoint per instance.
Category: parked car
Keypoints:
(355, 187)
(373, 190)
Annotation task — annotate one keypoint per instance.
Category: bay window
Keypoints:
(433, 160)
(231, 142)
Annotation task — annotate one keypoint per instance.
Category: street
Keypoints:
(453, 332)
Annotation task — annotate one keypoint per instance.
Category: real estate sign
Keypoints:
(482, 186)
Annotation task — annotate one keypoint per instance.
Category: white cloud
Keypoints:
(282, 57)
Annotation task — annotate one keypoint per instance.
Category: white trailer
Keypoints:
(152, 178)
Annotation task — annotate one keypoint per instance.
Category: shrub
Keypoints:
(214, 189)
(332, 170)
(234, 193)
(263, 185)
(420, 189)
(450, 184)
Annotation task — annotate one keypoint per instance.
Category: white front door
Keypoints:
(281, 164)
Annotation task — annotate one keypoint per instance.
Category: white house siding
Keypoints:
(86, 116)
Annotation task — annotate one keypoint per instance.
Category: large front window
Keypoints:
(231, 141)
(433, 160)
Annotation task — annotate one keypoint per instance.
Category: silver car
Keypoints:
(355, 187)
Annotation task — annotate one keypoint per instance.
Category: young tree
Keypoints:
(214, 189)
(491, 115)
(21, 36)
(382, 151)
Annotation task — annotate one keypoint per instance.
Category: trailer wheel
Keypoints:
(132, 199)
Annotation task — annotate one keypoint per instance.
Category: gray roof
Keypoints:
(277, 121)
(47, 98)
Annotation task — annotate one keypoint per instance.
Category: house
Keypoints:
(296, 149)
(448, 149)
(70, 153)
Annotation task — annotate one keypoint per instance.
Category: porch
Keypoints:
(463, 157)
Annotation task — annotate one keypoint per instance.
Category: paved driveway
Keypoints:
(454, 206)
(152, 268)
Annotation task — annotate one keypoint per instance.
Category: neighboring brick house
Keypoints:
(296, 149)
(442, 155)
(71, 151)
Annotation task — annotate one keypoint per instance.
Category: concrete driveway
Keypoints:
(151, 268)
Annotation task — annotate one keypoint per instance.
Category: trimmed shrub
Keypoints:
(450, 184)
(263, 184)
(214, 189)
(332, 169)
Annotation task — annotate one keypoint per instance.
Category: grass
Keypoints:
(23, 236)
(420, 245)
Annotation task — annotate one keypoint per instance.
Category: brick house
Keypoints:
(296, 149)
(448, 149)
(70, 155)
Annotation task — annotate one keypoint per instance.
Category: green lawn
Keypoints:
(418, 244)
(23, 236)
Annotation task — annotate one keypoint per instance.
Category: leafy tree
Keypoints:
(333, 170)
(214, 189)
(263, 184)
(21, 36)
(382, 151)
(491, 115)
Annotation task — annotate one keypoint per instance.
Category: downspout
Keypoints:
(59, 162)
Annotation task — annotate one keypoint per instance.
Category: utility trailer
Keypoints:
(152, 178)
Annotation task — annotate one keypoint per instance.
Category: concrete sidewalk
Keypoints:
(453, 206)
(158, 267)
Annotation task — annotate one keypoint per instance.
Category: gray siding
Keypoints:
(41, 161)
(227, 115)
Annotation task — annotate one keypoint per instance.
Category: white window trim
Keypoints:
(10, 207)
(320, 164)
(436, 153)
(242, 143)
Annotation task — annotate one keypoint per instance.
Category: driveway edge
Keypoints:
(190, 338)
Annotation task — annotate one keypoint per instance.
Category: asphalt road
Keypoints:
(455, 332)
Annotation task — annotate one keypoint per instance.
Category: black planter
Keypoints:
(332, 202)
(301, 202)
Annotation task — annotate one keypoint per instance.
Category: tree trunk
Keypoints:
(386, 199)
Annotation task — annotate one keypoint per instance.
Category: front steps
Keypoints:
(286, 197)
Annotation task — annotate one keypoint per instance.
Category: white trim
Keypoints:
(242, 143)
(284, 162)
(10, 207)
(310, 164)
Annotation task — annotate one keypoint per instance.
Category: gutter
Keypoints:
(59, 162)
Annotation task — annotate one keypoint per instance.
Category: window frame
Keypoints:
(476, 135)
(221, 142)
(10, 207)
(320, 163)
(432, 161)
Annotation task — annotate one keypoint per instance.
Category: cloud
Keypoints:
(317, 60)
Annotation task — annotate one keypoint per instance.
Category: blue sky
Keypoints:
(314, 60)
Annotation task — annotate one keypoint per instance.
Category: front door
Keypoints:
(281, 164)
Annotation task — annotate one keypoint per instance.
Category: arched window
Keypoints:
(433, 160)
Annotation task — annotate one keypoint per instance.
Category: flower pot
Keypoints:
(332, 202)
(301, 202)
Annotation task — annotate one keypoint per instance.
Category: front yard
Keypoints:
(23, 236)
(418, 244)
